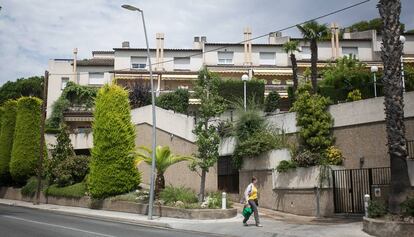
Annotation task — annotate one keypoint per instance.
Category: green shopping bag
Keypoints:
(247, 211)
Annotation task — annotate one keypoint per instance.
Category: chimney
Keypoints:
(159, 51)
(273, 37)
(247, 46)
(125, 44)
(337, 39)
(75, 58)
(196, 43)
(333, 44)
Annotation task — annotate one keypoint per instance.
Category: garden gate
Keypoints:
(350, 186)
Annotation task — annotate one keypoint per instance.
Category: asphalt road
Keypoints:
(25, 222)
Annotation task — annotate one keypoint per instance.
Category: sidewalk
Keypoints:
(294, 227)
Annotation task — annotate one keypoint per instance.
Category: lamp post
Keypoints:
(154, 141)
(244, 78)
(374, 70)
(402, 39)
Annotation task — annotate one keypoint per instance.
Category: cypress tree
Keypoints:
(25, 151)
(6, 139)
(112, 168)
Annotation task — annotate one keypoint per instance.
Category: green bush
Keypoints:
(71, 170)
(171, 194)
(307, 158)
(26, 143)
(272, 102)
(112, 170)
(29, 190)
(354, 95)
(177, 101)
(233, 90)
(334, 156)
(74, 191)
(249, 122)
(376, 209)
(285, 165)
(225, 129)
(407, 207)
(214, 201)
(6, 139)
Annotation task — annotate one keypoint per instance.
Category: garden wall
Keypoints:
(178, 174)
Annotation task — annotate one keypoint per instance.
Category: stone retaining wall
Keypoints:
(123, 206)
(382, 228)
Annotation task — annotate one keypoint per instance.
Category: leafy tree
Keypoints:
(409, 77)
(177, 101)
(26, 143)
(354, 95)
(163, 159)
(139, 96)
(291, 47)
(212, 104)
(112, 168)
(31, 86)
(313, 32)
(374, 24)
(272, 101)
(314, 121)
(6, 139)
(391, 52)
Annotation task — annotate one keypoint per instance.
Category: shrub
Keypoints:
(314, 120)
(354, 95)
(71, 170)
(249, 123)
(177, 101)
(134, 196)
(334, 156)
(272, 101)
(6, 139)
(26, 151)
(29, 190)
(233, 90)
(407, 207)
(285, 165)
(376, 209)
(112, 170)
(139, 96)
(214, 201)
(74, 191)
(170, 195)
(225, 129)
(306, 158)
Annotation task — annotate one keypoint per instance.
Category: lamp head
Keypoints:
(245, 77)
(402, 39)
(374, 69)
(131, 8)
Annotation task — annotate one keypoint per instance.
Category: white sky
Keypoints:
(34, 31)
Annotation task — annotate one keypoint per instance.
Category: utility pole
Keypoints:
(42, 139)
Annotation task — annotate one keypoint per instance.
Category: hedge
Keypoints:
(25, 151)
(177, 101)
(233, 90)
(6, 139)
(77, 190)
(112, 170)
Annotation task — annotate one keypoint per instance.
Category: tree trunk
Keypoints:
(294, 71)
(394, 102)
(202, 186)
(159, 184)
(314, 62)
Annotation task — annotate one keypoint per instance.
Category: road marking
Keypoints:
(58, 226)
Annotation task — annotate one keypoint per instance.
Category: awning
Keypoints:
(273, 72)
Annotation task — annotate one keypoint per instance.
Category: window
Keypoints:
(182, 63)
(225, 57)
(348, 51)
(96, 78)
(138, 62)
(306, 52)
(65, 81)
(267, 58)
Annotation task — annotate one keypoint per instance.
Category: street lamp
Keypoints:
(402, 39)
(154, 141)
(374, 70)
(245, 78)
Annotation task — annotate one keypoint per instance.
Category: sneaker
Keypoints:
(259, 225)
(245, 224)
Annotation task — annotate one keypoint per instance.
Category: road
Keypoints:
(24, 222)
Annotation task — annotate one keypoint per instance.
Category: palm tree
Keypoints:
(313, 32)
(394, 102)
(163, 159)
(291, 47)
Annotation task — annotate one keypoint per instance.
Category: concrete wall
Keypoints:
(79, 140)
(178, 174)
(268, 160)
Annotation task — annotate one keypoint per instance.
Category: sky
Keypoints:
(34, 31)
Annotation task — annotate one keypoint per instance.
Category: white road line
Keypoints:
(58, 226)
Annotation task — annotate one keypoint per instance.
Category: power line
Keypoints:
(244, 41)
